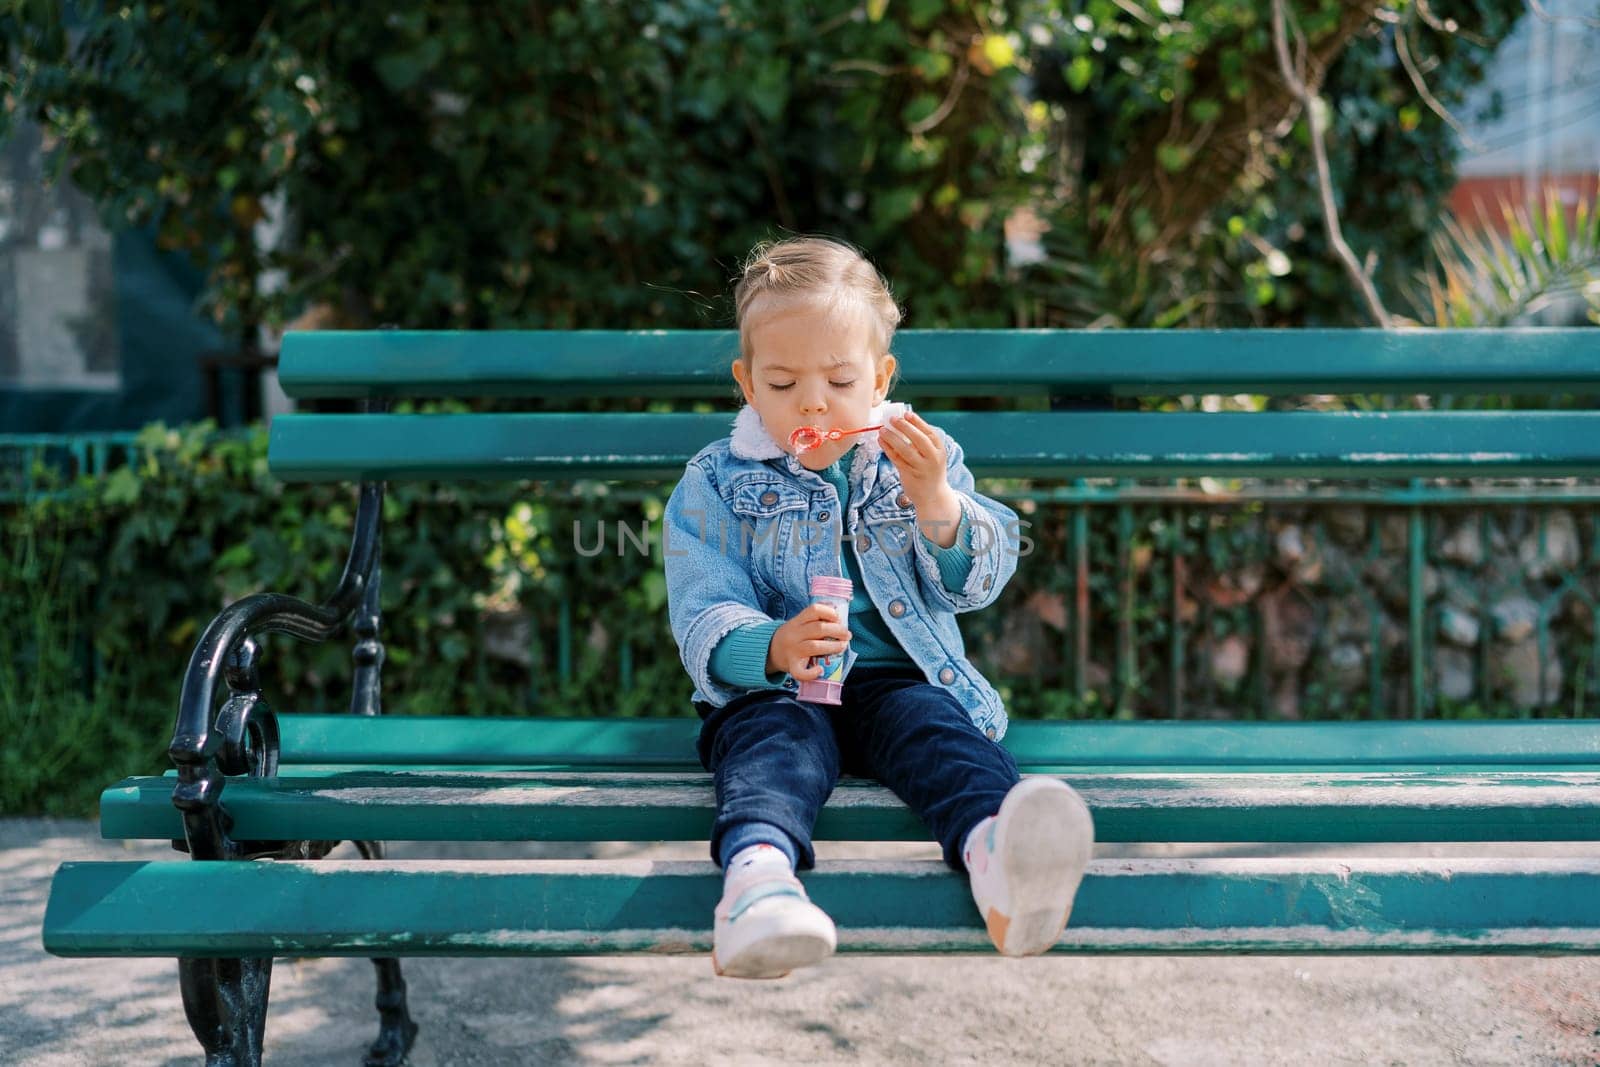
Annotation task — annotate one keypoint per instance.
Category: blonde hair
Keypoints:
(820, 271)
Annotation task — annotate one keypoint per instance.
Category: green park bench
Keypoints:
(261, 798)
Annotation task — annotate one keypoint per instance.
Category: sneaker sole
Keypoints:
(1043, 845)
(775, 957)
(771, 948)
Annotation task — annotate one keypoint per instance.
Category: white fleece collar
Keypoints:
(750, 440)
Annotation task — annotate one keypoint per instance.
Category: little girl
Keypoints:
(895, 511)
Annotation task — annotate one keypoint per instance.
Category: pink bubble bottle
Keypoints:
(828, 688)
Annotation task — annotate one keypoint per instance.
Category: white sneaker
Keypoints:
(767, 927)
(1026, 862)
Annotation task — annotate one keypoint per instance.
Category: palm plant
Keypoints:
(1546, 255)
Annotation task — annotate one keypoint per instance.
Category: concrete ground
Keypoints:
(989, 1011)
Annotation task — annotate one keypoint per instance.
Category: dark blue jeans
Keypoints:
(776, 758)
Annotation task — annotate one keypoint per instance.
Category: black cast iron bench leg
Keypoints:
(397, 1032)
(226, 1002)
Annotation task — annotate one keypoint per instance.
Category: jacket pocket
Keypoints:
(764, 513)
(766, 498)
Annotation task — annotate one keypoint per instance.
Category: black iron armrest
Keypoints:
(242, 737)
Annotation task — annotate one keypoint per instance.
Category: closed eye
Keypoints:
(790, 385)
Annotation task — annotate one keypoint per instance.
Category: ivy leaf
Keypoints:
(1079, 73)
(922, 13)
(896, 205)
(770, 90)
(921, 106)
(122, 487)
(401, 70)
(237, 557)
(1173, 157)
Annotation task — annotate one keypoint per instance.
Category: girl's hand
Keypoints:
(917, 451)
(816, 631)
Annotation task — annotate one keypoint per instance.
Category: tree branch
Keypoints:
(1402, 48)
(947, 105)
(1314, 106)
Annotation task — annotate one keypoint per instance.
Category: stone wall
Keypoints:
(1292, 610)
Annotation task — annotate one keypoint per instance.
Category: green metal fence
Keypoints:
(1142, 585)
(44, 465)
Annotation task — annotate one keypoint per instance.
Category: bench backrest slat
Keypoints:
(642, 445)
(393, 363)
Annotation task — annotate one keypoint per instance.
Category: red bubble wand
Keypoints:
(805, 438)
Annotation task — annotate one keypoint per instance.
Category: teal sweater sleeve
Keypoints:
(740, 658)
(955, 562)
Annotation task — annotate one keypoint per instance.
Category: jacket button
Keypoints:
(947, 676)
(897, 608)
(988, 582)
(902, 501)
(823, 517)
(769, 498)
(989, 733)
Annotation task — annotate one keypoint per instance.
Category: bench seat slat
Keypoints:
(565, 907)
(665, 743)
(1347, 806)
(637, 445)
(395, 363)
(1065, 770)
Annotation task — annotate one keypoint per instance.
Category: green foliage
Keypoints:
(608, 165)
(571, 165)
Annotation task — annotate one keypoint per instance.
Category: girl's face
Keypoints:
(808, 368)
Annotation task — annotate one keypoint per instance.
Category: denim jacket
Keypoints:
(748, 527)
